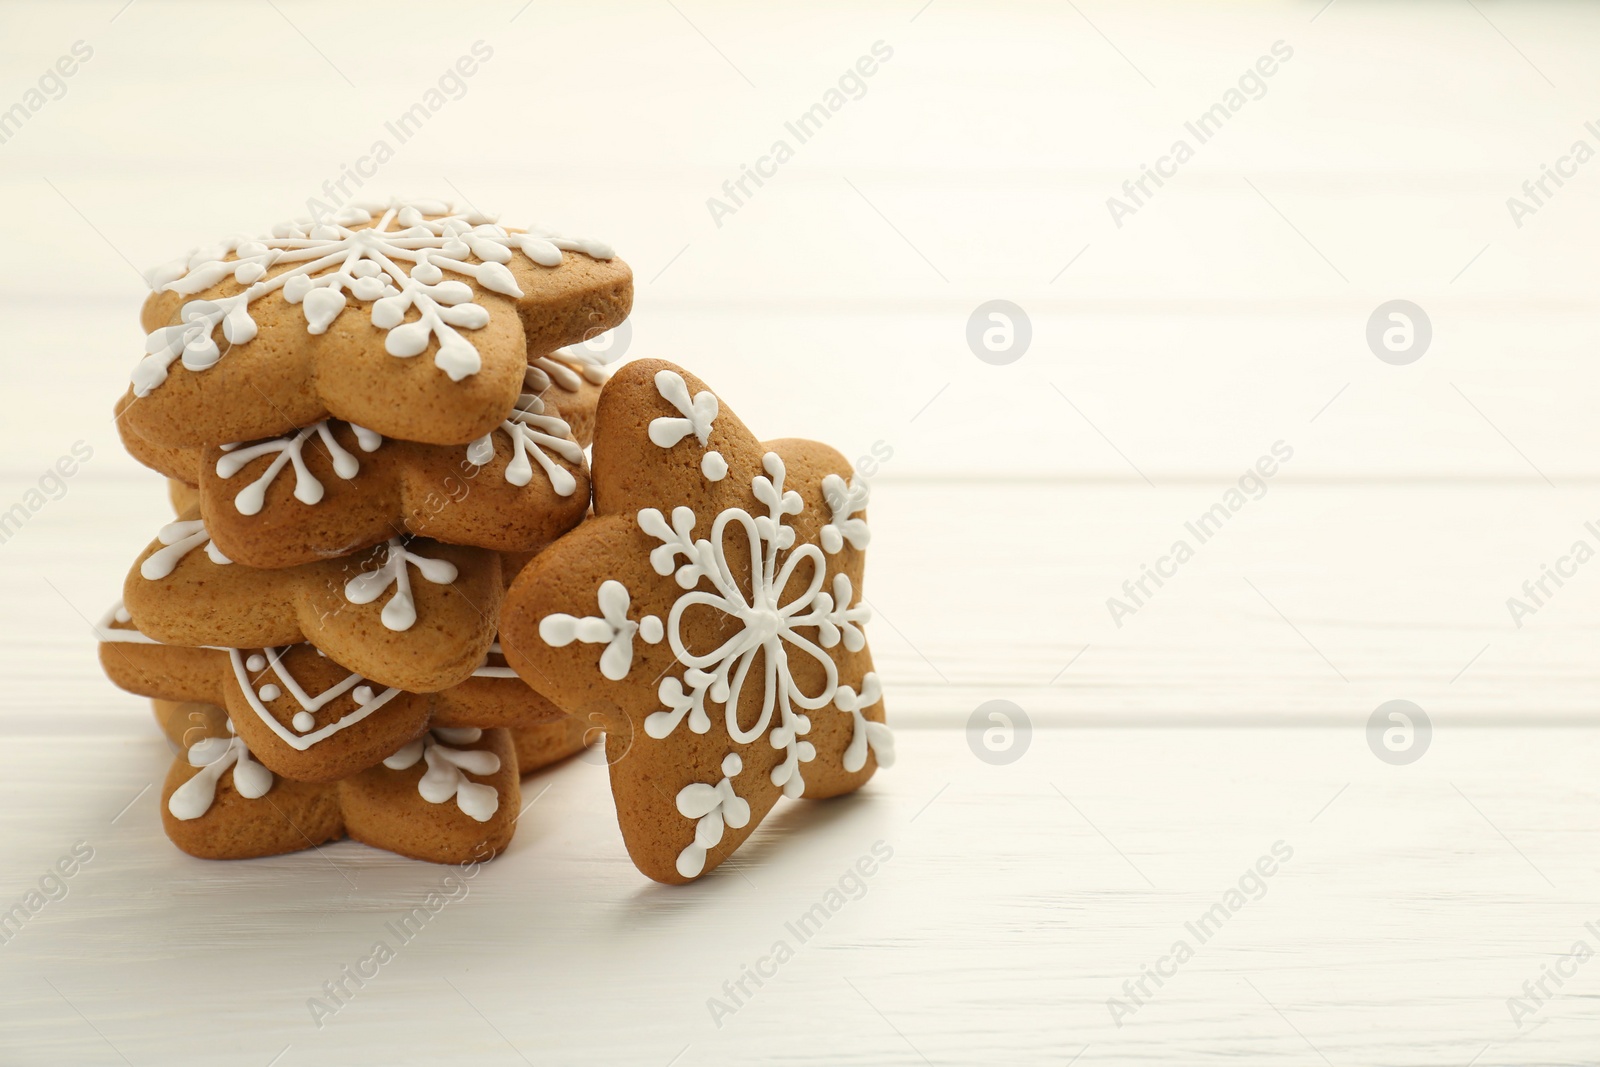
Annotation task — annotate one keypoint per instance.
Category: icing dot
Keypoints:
(363, 694)
(651, 630)
(732, 765)
(713, 466)
(124, 615)
(304, 720)
(257, 662)
(269, 692)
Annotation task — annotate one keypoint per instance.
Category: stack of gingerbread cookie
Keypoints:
(356, 487)
(393, 584)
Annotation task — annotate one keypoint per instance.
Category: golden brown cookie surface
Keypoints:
(468, 783)
(542, 744)
(218, 803)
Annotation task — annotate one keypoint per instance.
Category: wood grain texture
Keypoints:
(1165, 755)
(1016, 902)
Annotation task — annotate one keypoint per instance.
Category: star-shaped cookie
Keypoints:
(709, 614)
(411, 318)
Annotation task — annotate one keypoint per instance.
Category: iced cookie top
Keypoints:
(255, 335)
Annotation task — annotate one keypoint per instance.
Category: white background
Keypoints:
(1164, 756)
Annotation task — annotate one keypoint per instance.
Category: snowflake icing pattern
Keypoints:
(398, 270)
(765, 625)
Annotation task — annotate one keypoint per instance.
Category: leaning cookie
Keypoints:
(255, 336)
(447, 797)
(412, 613)
(332, 488)
(305, 716)
(709, 613)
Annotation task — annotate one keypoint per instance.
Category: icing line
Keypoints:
(307, 703)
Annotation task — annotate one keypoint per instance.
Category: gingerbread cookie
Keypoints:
(331, 488)
(305, 716)
(448, 796)
(253, 337)
(709, 613)
(413, 614)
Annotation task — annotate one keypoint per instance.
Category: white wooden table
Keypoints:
(1160, 760)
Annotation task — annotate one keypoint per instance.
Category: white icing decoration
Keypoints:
(447, 771)
(839, 622)
(269, 692)
(369, 264)
(677, 539)
(764, 624)
(713, 806)
(291, 450)
(698, 413)
(844, 502)
(531, 432)
(486, 671)
(180, 538)
(257, 662)
(308, 704)
(567, 368)
(611, 628)
(876, 735)
(214, 755)
(401, 610)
